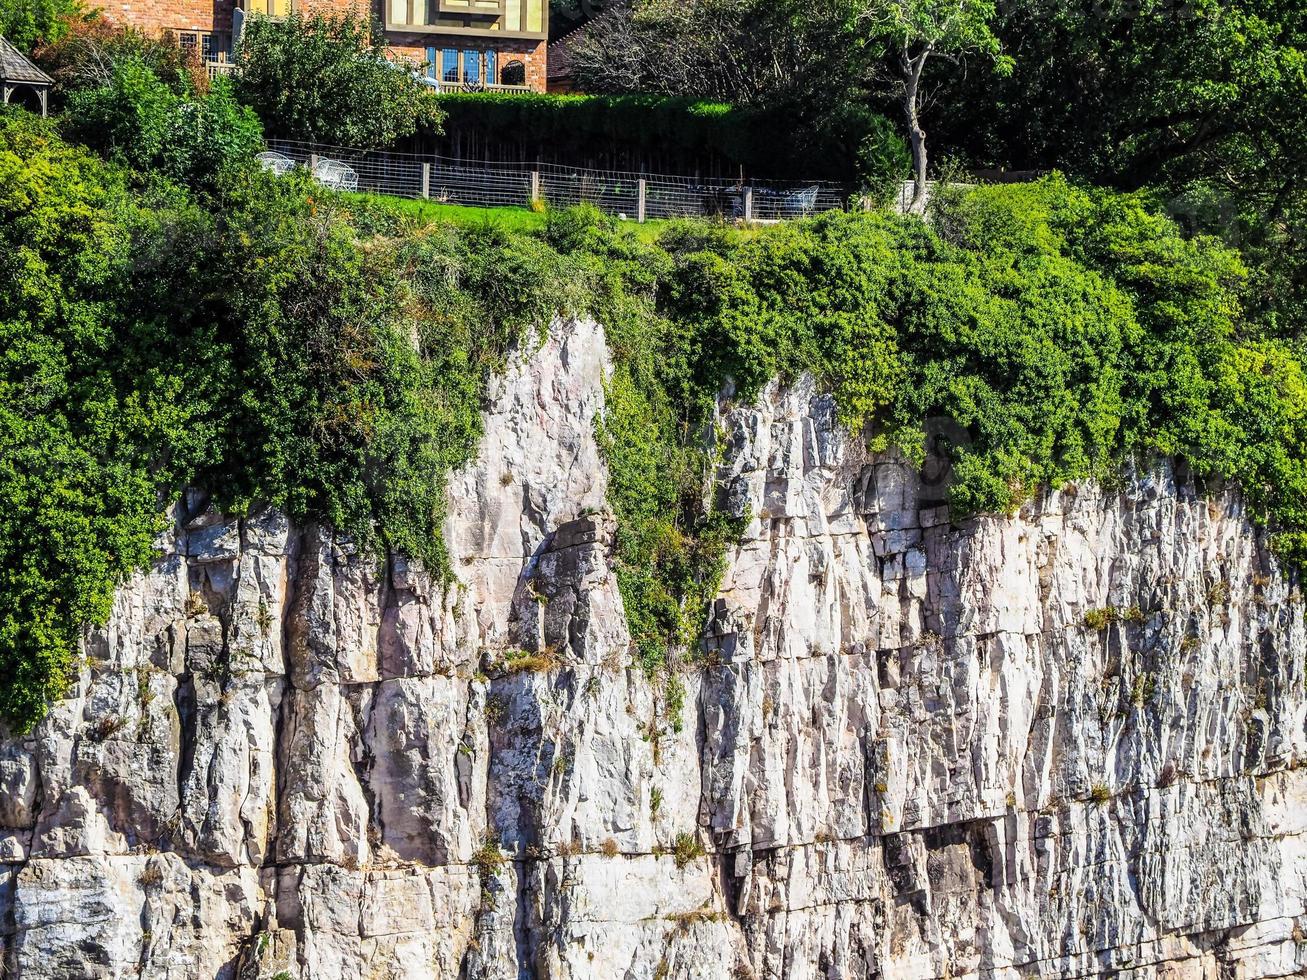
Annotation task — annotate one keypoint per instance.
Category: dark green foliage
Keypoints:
(1064, 331)
(140, 121)
(1203, 100)
(253, 347)
(680, 134)
(94, 419)
(329, 81)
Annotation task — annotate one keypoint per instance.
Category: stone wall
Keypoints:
(1062, 743)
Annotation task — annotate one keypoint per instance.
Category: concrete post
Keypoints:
(748, 204)
(535, 186)
(640, 204)
(426, 181)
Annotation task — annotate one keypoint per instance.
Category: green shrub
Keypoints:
(140, 121)
(209, 135)
(128, 118)
(27, 23)
(328, 80)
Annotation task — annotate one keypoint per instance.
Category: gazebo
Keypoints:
(17, 72)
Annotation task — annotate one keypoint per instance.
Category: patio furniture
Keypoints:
(336, 175)
(800, 203)
(275, 163)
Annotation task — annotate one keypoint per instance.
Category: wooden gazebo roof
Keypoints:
(16, 69)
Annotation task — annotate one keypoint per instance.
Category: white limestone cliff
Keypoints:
(1063, 743)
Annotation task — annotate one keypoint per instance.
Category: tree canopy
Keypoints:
(329, 80)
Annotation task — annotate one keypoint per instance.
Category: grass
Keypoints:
(513, 219)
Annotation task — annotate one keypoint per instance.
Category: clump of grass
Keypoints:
(528, 661)
(488, 859)
(1101, 619)
(686, 848)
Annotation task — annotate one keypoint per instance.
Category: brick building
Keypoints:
(461, 44)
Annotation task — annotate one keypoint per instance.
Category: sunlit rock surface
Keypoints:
(1058, 744)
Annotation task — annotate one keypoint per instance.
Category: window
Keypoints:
(514, 73)
(471, 67)
(433, 68)
(269, 8)
(211, 46)
(449, 66)
(491, 74)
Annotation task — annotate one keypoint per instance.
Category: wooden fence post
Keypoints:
(748, 204)
(426, 181)
(313, 162)
(535, 186)
(640, 203)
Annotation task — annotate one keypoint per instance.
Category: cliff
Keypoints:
(1059, 743)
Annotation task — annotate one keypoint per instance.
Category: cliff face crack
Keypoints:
(911, 752)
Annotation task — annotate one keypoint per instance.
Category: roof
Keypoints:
(559, 53)
(15, 67)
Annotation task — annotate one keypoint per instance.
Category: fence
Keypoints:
(635, 196)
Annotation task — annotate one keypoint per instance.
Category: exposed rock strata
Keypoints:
(909, 756)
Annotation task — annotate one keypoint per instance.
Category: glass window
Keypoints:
(514, 74)
(472, 67)
(492, 72)
(432, 71)
(449, 65)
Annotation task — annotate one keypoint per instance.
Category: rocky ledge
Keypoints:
(1062, 743)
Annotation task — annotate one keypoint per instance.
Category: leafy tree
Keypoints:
(1203, 101)
(329, 80)
(919, 30)
(28, 23)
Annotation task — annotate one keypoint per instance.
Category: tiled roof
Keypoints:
(15, 67)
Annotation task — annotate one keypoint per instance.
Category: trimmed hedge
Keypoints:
(653, 133)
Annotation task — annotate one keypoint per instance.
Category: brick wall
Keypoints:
(170, 15)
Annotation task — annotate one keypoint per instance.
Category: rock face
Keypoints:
(1056, 744)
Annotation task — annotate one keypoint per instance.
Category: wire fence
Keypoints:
(487, 185)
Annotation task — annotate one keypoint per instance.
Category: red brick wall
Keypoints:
(171, 15)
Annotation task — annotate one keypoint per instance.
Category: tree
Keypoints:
(87, 54)
(329, 81)
(1203, 102)
(919, 30)
(27, 23)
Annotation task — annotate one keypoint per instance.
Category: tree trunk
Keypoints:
(917, 137)
(912, 69)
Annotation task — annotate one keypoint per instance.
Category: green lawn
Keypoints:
(521, 219)
(510, 218)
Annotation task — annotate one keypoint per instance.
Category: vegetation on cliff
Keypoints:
(278, 344)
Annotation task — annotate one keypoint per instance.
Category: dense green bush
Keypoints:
(251, 346)
(27, 23)
(139, 120)
(328, 80)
